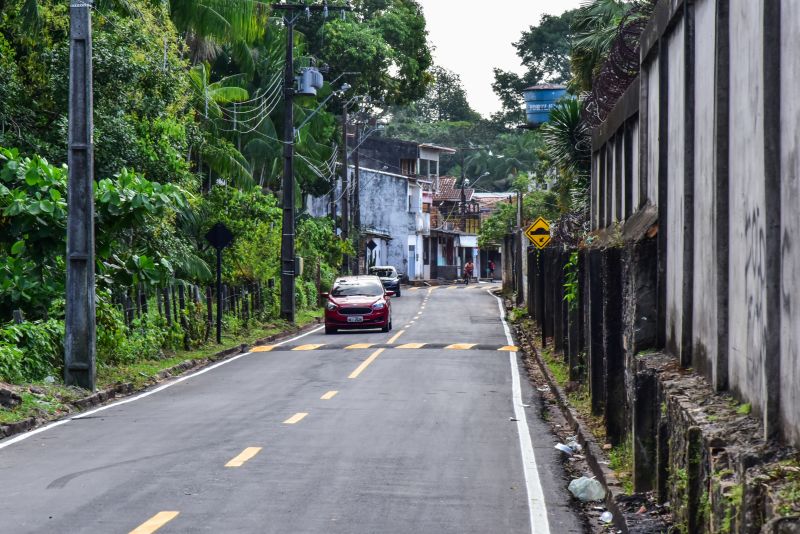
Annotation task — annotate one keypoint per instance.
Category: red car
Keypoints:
(357, 302)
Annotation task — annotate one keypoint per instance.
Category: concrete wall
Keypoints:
(704, 313)
(722, 166)
(747, 204)
(676, 150)
(384, 207)
(651, 78)
(790, 223)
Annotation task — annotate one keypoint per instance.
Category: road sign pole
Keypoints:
(219, 296)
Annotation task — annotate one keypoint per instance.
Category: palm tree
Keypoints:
(595, 27)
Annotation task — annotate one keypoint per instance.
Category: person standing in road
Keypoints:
(468, 269)
(491, 270)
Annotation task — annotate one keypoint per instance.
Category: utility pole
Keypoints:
(287, 239)
(345, 188)
(80, 329)
(357, 198)
(463, 195)
(292, 12)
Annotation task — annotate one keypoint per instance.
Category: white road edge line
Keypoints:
(26, 435)
(536, 502)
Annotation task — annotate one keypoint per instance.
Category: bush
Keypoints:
(31, 351)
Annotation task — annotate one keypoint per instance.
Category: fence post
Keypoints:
(167, 307)
(184, 323)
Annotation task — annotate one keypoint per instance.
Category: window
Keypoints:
(352, 288)
(408, 167)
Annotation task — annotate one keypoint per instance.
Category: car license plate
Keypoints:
(355, 319)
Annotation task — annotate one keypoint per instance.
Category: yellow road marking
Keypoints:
(460, 346)
(329, 395)
(452, 287)
(263, 348)
(509, 348)
(359, 346)
(296, 418)
(155, 523)
(243, 456)
(411, 346)
(310, 346)
(365, 364)
(394, 337)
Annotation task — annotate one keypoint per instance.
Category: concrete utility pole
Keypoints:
(357, 198)
(80, 329)
(463, 195)
(292, 12)
(287, 239)
(345, 189)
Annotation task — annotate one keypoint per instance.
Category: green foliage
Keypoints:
(385, 40)
(535, 204)
(571, 284)
(445, 100)
(594, 28)
(133, 220)
(31, 351)
(620, 459)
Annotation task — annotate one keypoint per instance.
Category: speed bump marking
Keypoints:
(359, 346)
(310, 346)
(460, 346)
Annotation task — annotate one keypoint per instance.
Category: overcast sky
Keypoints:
(471, 37)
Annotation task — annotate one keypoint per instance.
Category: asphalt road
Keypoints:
(418, 434)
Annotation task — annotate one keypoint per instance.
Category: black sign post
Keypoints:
(220, 237)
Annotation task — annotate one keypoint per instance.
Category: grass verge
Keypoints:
(49, 401)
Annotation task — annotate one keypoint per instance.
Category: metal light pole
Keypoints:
(80, 329)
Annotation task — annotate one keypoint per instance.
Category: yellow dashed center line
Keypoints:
(329, 395)
(243, 456)
(359, 346)
(397, 335)
(310, 346)
(296, 418)
(365, 364)
(155, 523)
(460, 346)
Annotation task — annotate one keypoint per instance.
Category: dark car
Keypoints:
(389, 277)
(357, 302)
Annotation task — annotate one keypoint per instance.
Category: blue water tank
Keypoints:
(540, 100)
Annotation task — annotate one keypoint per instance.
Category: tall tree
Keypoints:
(544, 53)
(445, 100)
(386, 41)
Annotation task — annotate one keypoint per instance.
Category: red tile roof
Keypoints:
(448, 192)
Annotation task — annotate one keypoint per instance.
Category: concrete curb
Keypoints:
(125, 389)
(591, 449)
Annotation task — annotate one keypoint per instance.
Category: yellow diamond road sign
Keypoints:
(539, 233)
